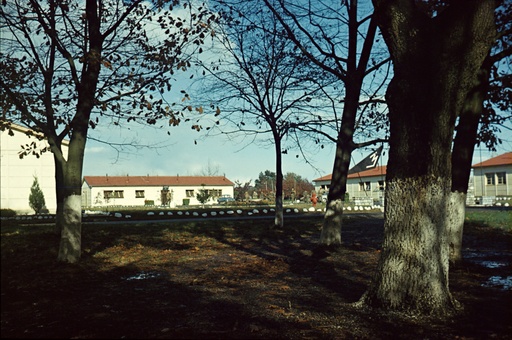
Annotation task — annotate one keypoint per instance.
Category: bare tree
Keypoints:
(261, 83)
(74, 65)
(339, 40)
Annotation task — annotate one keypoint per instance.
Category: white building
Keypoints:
(493, 178)
(170, 191)
(17, 175)
(363, 188)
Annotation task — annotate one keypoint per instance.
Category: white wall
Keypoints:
(483, 189)
(17, 175)
(94, 197)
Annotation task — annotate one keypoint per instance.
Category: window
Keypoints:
(108, 194)
(381, 185)
(365, 186)
(502, 177)
(119, 194)
(139, 193)
(189, 193)
(490, 179)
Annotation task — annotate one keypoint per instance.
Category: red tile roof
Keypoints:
(504, 159)
(377, 171)
(112, 181)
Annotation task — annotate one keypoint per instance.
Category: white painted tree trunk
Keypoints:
(333, 219)
(455, 227)
(412, 273)
(71, 233)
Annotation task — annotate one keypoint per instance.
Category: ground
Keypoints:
(235, 279)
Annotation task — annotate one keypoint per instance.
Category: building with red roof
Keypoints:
(365, 186)
(493, 177)
(151, 190)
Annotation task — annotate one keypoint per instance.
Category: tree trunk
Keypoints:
(456, 214)
(433, 72)
(279, 219)
(59, 190)
(333, 217)
(70, 217)
(462, 156)
(412, 275)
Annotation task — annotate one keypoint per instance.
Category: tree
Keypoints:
(36, 197)
(203, 195)
(265, 184)
(346, 54)
(294, 185)
(488, 97)
(241, 189)
(75, 65)
(436, 57)
(262, 85)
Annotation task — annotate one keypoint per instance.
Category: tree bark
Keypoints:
(462, 156)
(70, 217)
(279, 219)
(435, 60)
(333, 217)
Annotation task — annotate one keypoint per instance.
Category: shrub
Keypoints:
(7, 213)
(36, 197)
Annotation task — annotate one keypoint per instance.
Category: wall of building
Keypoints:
(140, 196)
(495, 188)
(372, 188)
(17, 175)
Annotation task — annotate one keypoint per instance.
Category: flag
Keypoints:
(368, 163)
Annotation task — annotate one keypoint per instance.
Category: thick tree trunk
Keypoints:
(434, 69)
(413, 273)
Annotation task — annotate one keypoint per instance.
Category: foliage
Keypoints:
(203, 195)
(72, 66)
(241, 189)
(36, 198)
(294, 185)
(7, 213)
(137, 62)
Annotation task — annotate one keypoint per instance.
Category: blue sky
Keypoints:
(178, 154)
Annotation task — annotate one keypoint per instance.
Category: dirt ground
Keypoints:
(234, 279)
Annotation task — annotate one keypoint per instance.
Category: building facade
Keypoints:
(363, 188)
(17, 175)
(170, 191)
(493, 178)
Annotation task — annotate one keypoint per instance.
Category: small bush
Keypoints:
(36, 197)
(7, 213)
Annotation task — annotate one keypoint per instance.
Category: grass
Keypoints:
(501, 219)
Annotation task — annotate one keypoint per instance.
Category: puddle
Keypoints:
(481, 259)
(491, 264)
(501, 282)
(143, 276)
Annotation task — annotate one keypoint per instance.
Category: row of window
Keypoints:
(492, 178)
(367, 186)
(107, 194)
